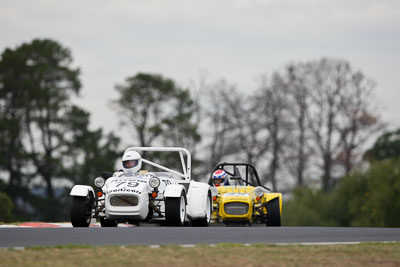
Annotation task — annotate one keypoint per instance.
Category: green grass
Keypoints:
(365, 254)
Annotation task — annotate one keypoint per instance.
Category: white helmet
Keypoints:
(131, 162)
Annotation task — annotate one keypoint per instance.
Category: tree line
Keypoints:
(302, 126)
(305, 124)
(364, 198)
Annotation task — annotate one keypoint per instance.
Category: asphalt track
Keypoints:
(96, 236)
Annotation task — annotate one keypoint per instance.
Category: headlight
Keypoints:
(154, 182)
(259, 191)
(214, 191)
(99, 182)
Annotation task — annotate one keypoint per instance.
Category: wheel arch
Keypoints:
(175, 191)
(272, 196)
(198, 194)
(82, 191)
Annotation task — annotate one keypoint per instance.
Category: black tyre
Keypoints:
(175, 210)
(273, 213)
(81, 211)
(104, 222)
(205, 221)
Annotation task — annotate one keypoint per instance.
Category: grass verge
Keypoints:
(365, 254)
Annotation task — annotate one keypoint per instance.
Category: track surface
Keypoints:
(25, 237)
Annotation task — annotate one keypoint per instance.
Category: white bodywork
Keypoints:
(197, 197)
(81, 190)
(172, 185)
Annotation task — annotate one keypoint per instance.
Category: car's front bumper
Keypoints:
(137, 212)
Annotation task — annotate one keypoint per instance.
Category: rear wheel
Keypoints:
(273, 213)
(207, 219)
(175, 210)
(81, 211)
(104, 222)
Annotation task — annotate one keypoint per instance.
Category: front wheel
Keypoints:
(273, 213)
(175, 210)
(81, 211)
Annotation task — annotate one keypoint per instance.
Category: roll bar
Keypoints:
(186, 166)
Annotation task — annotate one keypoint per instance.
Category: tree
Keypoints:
(328, 83)
(232, 125)
(370, 198)
(49, 81)
(299, 102)
(386, 146)
(13, 98)
(367, 198)
(360, 120)
(154, 106)
(218, 128)
(179, 129)
(273, 115)
(6, 207)
(36, 84)
(341, 114)
(158, 111)
(89, 152)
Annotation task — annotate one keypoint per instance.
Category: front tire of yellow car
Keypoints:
(273, 213)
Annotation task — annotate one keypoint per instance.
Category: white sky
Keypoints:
(232, 39)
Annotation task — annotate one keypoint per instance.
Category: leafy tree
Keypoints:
(6, 207)
(386, 146)
(383, 194)
(158, 111)
(307, 207)
(364, 198)
(371, 198)
(179, 128)
(44, 134)
(38, 81)
(89, 151)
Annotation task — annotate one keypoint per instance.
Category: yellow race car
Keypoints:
(243, 200)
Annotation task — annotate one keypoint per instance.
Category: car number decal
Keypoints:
(128, 184)
(124, 186)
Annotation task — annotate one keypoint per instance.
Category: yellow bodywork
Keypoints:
(240, 204)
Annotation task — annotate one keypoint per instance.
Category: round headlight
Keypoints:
(214, 191)
(259, 191)
(154, 182)
(99, 182)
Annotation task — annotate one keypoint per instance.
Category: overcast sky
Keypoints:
(233, 39)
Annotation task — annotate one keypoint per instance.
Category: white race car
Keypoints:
(169, 196)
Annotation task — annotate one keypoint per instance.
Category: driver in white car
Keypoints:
(131, 163)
